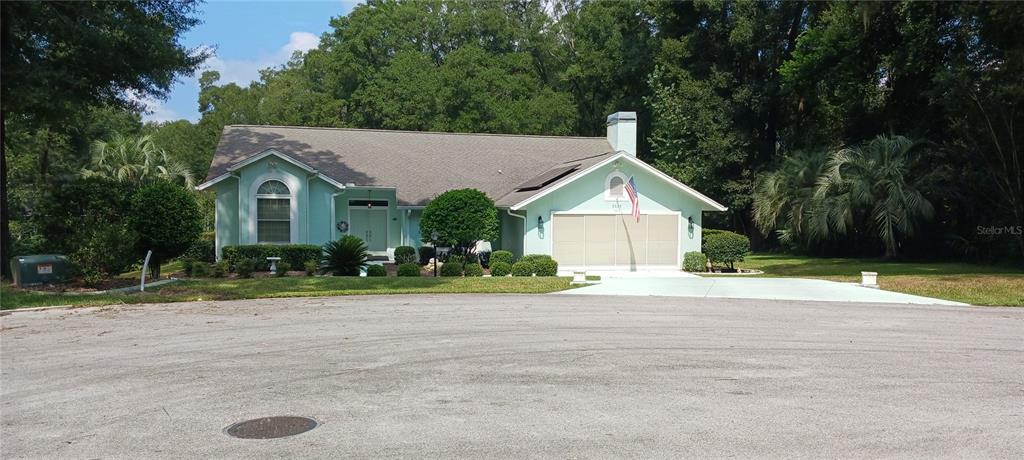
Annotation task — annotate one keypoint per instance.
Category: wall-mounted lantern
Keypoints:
(689, 221)
(540, 226)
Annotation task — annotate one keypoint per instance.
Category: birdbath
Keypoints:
(273, 264)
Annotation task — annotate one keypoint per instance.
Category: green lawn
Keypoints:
(226, 289)
(977, 284)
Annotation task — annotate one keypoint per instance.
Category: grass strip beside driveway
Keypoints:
(229, 289)
(976, 284)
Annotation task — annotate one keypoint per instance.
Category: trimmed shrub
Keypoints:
(502, 256)
(523, 268)
(85, 219)
(245, 268)
(474, 270)
(546, 267)
(501, 268)
(460, 218)
(471, 258)
(426, 253)
(345, 257)
(310, 266)
(694, 261)
(200, 270)
(187, 263)
(376, 270)
(282, 268)
(167, 220)
(455, 259)
(543, 264)
(451, 269)
(405, 255)
(295, 254)
(220, 269)
(724, 247)
(409, 270)
(203, 250)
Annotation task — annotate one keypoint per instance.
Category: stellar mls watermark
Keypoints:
(991, 230)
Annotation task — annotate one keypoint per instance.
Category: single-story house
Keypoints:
(557, 195)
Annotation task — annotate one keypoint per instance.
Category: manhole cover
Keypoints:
(270, 427)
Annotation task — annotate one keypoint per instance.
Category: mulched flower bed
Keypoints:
(79, 286)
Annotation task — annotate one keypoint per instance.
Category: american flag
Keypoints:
(634, 198)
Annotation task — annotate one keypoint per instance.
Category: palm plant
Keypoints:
(135, 160)
(874, 180)
(785, 201)
(345, 257)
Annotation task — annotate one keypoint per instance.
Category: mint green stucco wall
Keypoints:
(314, 198)
(586, 195)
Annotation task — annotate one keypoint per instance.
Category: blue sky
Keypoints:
(247, 36)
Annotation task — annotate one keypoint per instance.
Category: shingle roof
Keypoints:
(420, 165)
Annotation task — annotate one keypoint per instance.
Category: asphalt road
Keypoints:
(516, 376)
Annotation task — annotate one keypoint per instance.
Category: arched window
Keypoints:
(614, 186)
(273, 213)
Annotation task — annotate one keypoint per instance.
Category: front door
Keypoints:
(370, 224)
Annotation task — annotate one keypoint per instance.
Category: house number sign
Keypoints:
(342, 226)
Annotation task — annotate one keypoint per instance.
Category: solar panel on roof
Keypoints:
(546, 177)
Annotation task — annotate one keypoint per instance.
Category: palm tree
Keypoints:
(785, 199)
(135, 160)
(872, 181)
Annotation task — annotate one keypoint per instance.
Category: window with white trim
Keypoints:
(273, 213)
(615, 186)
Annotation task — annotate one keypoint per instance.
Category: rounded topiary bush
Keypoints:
(200, 270)
(405, 255)
(546, 267)
(474, 270)
(282, 268)
(376, 270)
(724, 247)
(451, 269)
(409, 270)
(502, 256)
(543, 264)
(245, 268)
(694, 261)
(523, 268)
(501, 268)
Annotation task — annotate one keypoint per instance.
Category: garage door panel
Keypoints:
(629, 253)
(601, 228)
(663, 228)
(615, 240)
(661, 253)
(570, 253)
(569, 228)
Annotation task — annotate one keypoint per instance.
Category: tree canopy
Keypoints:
(728, 93)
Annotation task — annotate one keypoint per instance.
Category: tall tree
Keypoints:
(59, 57)
(715, 94)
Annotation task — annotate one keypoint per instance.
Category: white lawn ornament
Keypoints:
(273, 264)
(869, 279)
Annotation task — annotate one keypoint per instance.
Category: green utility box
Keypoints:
(39, 269)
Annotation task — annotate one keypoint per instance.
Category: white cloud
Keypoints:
(238, 71)
(245, 71)
(154, 110)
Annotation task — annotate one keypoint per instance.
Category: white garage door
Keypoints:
(605, 240)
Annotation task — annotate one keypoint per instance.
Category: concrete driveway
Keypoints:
(515, 376)
(750, 288)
